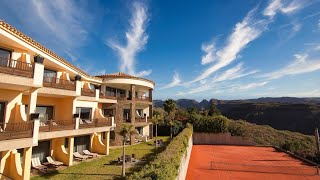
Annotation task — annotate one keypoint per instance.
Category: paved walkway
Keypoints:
(246, 162)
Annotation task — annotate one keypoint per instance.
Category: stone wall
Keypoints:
(183, 169)
(220, 139)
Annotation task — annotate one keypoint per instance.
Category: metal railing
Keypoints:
(88, 92)
(54, 125)
(16, 130)
(14, 67)
(59, 83)
(123, 97)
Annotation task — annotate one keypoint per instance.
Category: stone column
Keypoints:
(132, 112)
(70, 150)
(150, 95)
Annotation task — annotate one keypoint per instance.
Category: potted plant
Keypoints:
(38, 59)
(77, 78)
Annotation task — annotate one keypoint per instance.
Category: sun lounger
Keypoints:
(53, 162)
(36, 164)
(79, 156)
(88, 153)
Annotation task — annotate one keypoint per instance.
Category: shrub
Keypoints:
(166, 164)
(214, 124)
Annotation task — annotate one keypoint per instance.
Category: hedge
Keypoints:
(210, 124)
(166, 164)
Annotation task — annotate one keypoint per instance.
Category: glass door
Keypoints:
(84, 113)
(2, 110)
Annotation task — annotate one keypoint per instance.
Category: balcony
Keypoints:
(141, 120)
(14, 67)
(142, 98)
(100, 122)
(88, 92)
(103, 96)
(52, 125)
(16, 130)
(59, 83)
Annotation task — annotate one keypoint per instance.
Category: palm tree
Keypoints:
(170, 108)
(126, 131)
(157, 118)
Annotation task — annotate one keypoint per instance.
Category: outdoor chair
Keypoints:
(53, 162)
(79, 156)
(88, 153)
(36, 164)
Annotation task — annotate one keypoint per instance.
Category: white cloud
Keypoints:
(233, 73)
(243, 33)
(251, 86)
(283, 6)
(302, 64)
(136, 39)
(209, 55)
(176, 81)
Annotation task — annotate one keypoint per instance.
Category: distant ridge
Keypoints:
(191, 103)
(283, 113)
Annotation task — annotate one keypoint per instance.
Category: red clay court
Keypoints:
(246, 162)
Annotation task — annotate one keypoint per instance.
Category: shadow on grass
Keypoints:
(148, 157)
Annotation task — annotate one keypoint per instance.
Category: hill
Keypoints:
(285, 113)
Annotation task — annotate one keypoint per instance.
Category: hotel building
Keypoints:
(49, 107)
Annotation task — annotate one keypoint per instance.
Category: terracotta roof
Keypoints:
(123, 75)
(13, 31)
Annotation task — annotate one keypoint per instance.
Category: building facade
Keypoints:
(49, 107)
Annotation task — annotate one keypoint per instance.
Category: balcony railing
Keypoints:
(123, 97)
(142, 98)
(54, 125)
(141, 120)
(100, 122)
(16, 130)
(59, 83)
(103, 96)
(14, 67)
(88, 92)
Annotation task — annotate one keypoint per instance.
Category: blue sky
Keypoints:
(233, 49)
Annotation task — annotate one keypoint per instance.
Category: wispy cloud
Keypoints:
(283, 6)
(243, 33)
(301, 64)
(57, 24)
(176, 81)
(251, 86)
(210, 50)
(234, 73)
(136, 39)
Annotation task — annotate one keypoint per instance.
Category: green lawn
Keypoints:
(104, 167)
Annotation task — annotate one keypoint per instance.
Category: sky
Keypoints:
(231, 49)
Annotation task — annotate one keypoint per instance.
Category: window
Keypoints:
(112, 135)
(110, 91)
(66, 143)
(2, 110)
(108, 112)
(48, 75)
(126, 114)
(5, 54)
(84, 113)
(46, 112)
(4, 57)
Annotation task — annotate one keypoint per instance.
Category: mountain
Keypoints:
(284, 113)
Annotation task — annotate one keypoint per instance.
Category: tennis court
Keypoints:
(246, 162)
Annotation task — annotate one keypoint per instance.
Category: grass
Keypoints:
(105, 167)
